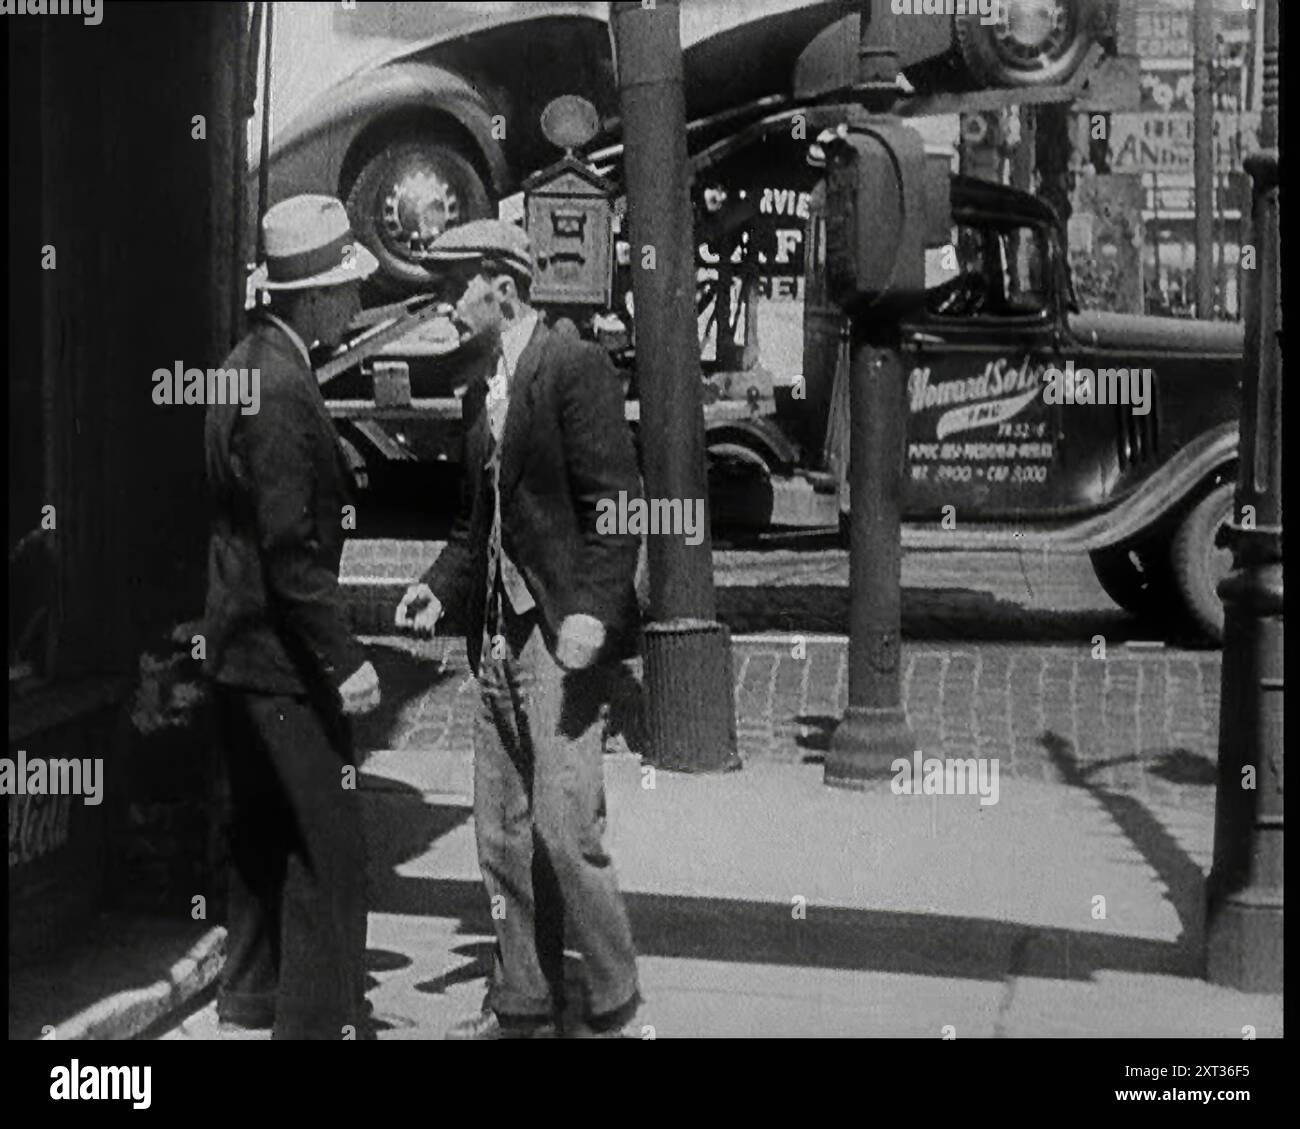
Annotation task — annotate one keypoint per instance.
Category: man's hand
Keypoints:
(581, 637)
(418, 611)
(360, 693)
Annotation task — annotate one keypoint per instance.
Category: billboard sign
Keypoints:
(1163, 142)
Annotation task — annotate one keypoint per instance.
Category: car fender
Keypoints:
(1207, 458)
(310, 154)
(1163, 495)
(760, 436)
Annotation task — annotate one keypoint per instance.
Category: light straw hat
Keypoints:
(309, 242)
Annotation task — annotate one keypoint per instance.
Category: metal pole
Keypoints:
(1022, 162)
(690, 717)
(264, 166)
(1244, 911)
(1203, 153)
(874, 730)
(1155, 242)
(249, 106)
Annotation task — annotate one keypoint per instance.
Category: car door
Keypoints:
(980, 436)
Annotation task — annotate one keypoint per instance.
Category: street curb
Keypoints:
(126, 1014)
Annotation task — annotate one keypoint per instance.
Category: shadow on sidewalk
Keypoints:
(928, 613)
(1181, 875)
(736, 931)
(740, 931)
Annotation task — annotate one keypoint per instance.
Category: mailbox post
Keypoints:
(884, 206)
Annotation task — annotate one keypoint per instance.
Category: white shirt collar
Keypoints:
(514, 340)
(298, 342)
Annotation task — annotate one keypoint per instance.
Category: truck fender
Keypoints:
(753, 437)
(318, 142)
(1208, 459)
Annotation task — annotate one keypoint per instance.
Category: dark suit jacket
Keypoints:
(278, 482)
(566, 446)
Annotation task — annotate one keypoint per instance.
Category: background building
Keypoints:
(1153, 145)
(126, 165)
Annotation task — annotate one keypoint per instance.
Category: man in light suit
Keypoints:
(287, 672)
(549, 608)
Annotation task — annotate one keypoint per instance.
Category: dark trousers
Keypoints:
(539, 815)
(297, 918)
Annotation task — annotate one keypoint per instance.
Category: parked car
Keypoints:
(421, 116)
(1138, 471)
(1142, 482)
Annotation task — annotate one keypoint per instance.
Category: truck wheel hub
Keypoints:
(416, 210)
(1031, 30)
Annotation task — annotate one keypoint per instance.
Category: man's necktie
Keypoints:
(496, 410)
(499, 566)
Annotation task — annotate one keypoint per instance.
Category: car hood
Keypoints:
(1176, 335)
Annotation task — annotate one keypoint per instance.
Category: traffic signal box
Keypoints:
(886, 202)
(568, 212)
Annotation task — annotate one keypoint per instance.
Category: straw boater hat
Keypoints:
(309, 243)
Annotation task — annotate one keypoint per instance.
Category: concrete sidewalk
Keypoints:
(765, 904)
(917, 913)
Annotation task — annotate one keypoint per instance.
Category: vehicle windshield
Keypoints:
(991, 271)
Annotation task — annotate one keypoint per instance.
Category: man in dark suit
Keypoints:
(549, 607)
(286, 669)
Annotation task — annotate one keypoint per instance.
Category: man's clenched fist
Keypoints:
(418, 611)
(580, 641)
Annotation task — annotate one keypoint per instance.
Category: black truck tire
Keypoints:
(1198, 564)
(443, 188)
(996, 59)
(1138, 579)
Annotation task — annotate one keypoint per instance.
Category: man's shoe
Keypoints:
(488, 1025)
(228, 1031)
(607, 1025)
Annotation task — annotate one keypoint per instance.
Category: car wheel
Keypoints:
(1199, 564)
(1033, 42)
(740, 490)
(1138, 579)
(407, 195)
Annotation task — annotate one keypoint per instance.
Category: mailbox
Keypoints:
(569, 214)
